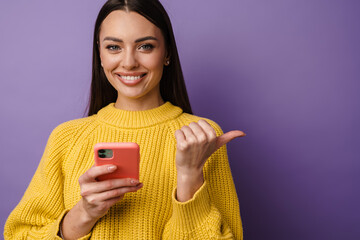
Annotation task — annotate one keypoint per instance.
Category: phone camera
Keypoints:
(102, 155)
(102, 151)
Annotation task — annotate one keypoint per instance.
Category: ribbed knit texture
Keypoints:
(150, 213)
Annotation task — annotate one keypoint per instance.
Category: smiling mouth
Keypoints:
(131, 78)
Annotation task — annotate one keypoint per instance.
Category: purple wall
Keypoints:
(285, 72)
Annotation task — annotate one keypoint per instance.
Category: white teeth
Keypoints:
(130, 78)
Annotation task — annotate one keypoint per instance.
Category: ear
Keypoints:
(167, 58)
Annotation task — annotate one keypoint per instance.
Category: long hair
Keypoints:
(172, 84)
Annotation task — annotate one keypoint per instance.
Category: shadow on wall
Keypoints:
(232, 102)
(222, 98)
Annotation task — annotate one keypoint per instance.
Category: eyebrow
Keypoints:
(136, 41)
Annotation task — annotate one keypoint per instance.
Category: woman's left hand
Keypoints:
(195, 144)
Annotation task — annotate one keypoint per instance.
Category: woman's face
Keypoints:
(132, 52)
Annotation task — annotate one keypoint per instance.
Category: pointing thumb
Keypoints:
(227, 137)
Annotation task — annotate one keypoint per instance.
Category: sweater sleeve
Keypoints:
(39, 213)
(213, 212)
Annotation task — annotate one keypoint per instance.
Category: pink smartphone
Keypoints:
(126, 156)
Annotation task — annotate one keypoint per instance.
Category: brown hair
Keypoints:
(172, 84)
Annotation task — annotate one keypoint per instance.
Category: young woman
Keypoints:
(137, 95)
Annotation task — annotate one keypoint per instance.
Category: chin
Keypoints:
(132, 96)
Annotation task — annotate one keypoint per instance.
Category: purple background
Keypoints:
(285, 72)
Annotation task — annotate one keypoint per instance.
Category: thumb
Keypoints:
(227, 137)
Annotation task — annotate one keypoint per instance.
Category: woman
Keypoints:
(137, 95)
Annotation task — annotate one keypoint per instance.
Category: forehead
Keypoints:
(128, 26)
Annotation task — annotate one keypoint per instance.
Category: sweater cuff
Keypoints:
(192, 213)
(56, 226)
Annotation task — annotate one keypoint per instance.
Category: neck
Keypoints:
(138, 104)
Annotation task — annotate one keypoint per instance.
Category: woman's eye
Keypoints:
(113, 47)
(146, 47)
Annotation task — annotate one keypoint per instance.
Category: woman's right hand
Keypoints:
(99, 196)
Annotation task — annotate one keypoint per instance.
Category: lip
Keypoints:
(130, 82)
(130, 73)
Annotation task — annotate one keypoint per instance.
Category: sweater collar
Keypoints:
(138, 119)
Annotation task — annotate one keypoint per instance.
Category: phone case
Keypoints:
(126, 156)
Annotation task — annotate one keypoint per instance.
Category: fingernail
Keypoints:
(111, 168)
(133, 181)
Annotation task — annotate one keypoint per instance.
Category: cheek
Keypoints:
(109, 61)
(153, 62)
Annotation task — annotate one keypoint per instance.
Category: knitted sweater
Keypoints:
(150, 213)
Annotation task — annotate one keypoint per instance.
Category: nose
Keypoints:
(129, 60)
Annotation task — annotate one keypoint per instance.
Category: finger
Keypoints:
(102, 186)
(227, 137)
(114, 193)
(189, 134)
(181, 143)
(209, 130)
(199, 132)
(179, 135)
(95, 171)
(112, 201)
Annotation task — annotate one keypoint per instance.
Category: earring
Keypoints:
(167, 62)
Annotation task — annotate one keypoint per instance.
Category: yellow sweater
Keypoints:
(150, 213)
